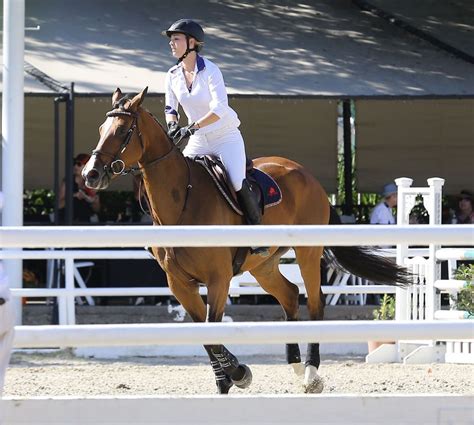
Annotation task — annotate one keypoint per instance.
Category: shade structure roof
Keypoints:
(273, 49)
(311, 47)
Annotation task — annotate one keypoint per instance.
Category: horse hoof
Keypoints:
(224, 386)
(313, 383)
(246, 379)
(298, 368)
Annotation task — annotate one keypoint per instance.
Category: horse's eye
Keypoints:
(120, 131)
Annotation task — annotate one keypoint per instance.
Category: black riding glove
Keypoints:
(185, 132)
(173, 129)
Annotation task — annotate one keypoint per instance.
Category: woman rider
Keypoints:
(197, 85)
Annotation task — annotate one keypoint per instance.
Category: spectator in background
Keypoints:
(382, 212)
(137, 210)
(86, 202)
(464, 213)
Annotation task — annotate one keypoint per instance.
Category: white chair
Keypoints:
(50, 278)
(80, 281)
(336, 278)
(356, 299)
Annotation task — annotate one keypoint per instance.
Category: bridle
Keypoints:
(117, 166)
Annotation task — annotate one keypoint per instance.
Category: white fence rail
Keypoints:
(133, 254)
(334, 409)
(238, 333)
(210, 235)
(456, 253)
(68, 294)
(164, 292)
(125, 236)
(205, 236)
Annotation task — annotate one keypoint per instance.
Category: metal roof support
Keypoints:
(348, 206)
(69, 153)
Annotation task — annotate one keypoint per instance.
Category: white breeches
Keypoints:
(7, 323)
(228, 145)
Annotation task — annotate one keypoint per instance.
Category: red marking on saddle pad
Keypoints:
(272, 191)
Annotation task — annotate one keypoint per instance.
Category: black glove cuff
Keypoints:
(172, 124)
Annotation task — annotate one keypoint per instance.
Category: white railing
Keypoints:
(138, 254)
(67, 306)
(422, 301)
(174, 236)
(452, 256)
(216, 236)
(461, 351)
(238, 333)
(196, 236)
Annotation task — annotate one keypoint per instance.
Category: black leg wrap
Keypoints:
(312, 355)
(223, 381)
(240, 375)
(293, 353)
(227, 360)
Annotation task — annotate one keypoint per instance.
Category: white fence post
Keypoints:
(69, 285)
(405, 203)
(433, 204)
(13, 123)
(7, 323)
(421, 301)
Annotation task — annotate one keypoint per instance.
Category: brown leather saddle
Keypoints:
(267, 189)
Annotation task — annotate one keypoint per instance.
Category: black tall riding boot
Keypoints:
(252, 211)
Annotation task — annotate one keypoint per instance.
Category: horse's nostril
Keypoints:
(93, 175)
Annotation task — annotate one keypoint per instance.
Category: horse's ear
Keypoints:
(138, 99)
(116, 96)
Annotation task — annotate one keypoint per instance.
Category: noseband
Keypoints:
(117, 166)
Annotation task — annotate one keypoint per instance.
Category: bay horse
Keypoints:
(181, 192)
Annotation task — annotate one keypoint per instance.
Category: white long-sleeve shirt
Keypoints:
(207, 93)
(382, 214)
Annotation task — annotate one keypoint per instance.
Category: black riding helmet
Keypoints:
(189, 28)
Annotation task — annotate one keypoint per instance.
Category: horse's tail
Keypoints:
(365, 262)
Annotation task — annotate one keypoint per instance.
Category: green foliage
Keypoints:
(464, 272)
(464, 300)
(386, 311)
(38, 202)
(113, 204)
(419, 214)
(367, 202)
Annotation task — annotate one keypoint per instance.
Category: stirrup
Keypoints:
(262, 251)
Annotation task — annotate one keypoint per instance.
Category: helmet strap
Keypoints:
(187, 52)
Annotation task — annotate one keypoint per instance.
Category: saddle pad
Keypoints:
(269, 187)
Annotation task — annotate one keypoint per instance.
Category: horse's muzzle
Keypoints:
(95, 179)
